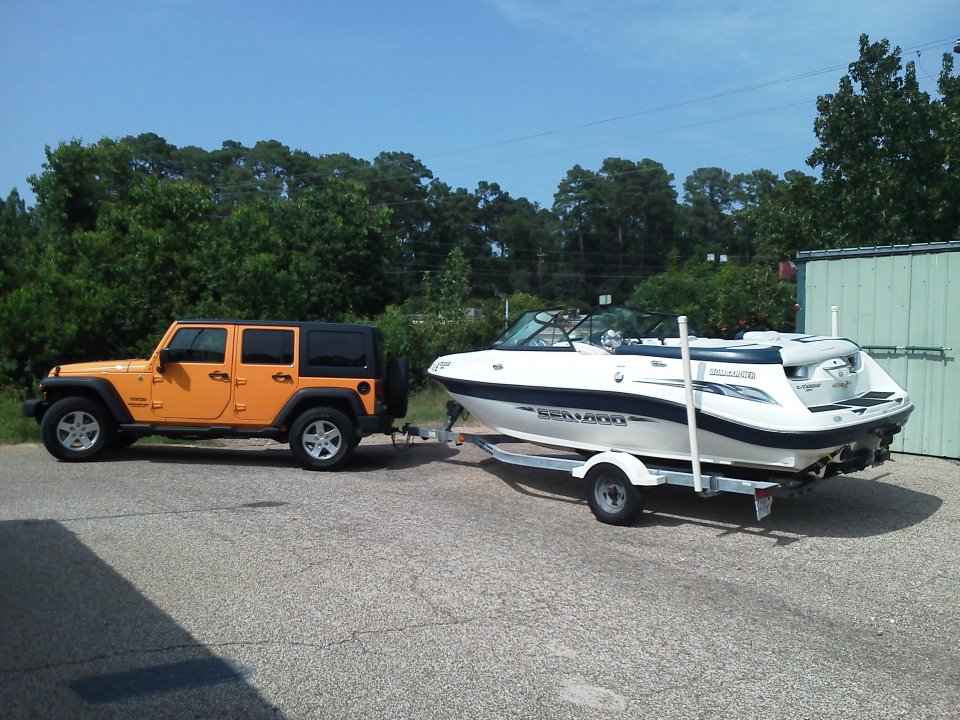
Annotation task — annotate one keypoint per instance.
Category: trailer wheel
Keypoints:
(612, 497)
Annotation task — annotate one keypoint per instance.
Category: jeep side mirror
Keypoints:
(166, 355)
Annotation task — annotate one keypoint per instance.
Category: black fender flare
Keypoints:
(318, 396)
(99, 388)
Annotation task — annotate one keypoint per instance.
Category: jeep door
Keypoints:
(195, 383)
(266, 371)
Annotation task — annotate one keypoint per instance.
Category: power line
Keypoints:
(682, 103)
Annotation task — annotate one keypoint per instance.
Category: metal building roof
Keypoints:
(880, 251)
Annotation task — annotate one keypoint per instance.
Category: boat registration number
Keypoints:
(764, 506)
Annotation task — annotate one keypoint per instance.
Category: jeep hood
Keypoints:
(100, 367)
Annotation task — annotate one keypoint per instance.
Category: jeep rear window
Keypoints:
(337, 348)
(200, 345)
(267, 347)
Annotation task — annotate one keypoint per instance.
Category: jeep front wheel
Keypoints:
(76, 429)
(322, 439)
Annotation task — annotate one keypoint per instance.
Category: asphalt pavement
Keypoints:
(434, 582)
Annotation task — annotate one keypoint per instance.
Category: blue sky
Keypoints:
(509, 91)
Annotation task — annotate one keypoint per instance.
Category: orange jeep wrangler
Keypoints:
(319, 386)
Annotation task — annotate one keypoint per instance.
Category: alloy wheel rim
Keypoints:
(322, 439)
(78, 431)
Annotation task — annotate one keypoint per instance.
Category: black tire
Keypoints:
(322, 439)
(611, 495)
(76, 429)
(397, 390)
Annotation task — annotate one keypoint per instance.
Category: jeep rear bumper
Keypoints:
(370, 424)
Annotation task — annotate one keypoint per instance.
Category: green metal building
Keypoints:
(902, 305)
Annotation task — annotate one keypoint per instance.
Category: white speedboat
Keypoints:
(787, 404)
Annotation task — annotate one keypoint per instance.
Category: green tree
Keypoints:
(77, 180)
(885, 153)
(574, 205)
(708, 225)
(720, 302)
(787, 218)
(529, 247)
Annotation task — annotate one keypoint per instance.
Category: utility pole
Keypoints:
(540, 258)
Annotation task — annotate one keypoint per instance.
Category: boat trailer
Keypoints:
(615, 479)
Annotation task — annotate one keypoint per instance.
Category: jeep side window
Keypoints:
(267, 347)
(198, 345)
(337, 349)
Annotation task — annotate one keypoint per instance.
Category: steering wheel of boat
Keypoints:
(611, 339)
(538, 342)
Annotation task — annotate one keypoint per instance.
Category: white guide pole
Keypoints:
(691, 408)
(835, 320)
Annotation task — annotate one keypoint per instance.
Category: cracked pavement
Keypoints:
(210, 582)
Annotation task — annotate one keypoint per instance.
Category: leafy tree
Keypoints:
(720, 302)
(529, 247)
(77, 180)
(337, 249)
(708, 202)
(787, 218)
(445, 295)
(574, 205)
(17, 237)
(884, 153)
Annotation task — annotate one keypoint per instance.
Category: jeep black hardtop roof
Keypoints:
(308, 324)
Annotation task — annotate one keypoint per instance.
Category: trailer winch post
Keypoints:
(691, 408)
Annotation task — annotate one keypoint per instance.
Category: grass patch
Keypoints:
(427, 406)
(14, 428)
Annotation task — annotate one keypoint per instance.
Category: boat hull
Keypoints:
(621, 404)
(657, 430)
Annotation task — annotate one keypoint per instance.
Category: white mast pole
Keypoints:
(691, 408)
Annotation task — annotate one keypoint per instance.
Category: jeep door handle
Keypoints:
(281, 377)
(219, 376)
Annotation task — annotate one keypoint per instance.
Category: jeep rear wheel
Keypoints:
(76, 429)
(322, 439)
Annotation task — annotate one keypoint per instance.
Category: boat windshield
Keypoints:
(629, 324)
(606, 327)
(538, 329)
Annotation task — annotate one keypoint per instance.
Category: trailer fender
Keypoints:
(632, 467)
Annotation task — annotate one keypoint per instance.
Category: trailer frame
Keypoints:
(615, 479)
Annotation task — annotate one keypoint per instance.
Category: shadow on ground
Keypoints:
(368, 456)
(80, 641)
(843, 507)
